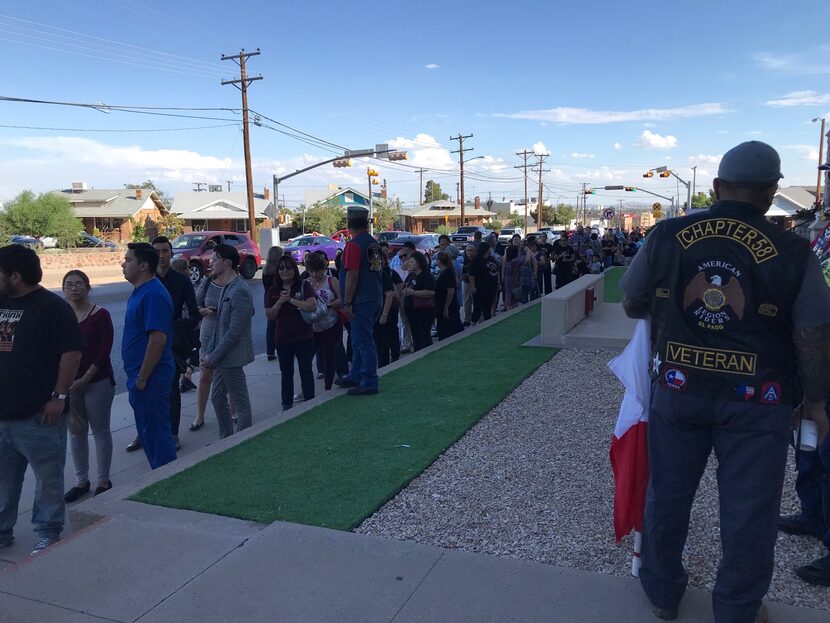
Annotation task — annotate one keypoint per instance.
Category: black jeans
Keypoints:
(270, 332)
(387, 339)
(420, 324)
(482, 304)
(750, 443)
(304, 353)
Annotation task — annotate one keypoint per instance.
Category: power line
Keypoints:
(198, 127)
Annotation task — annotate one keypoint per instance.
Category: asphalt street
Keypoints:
(114, 298)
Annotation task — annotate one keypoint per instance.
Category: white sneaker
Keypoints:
(299, 397)
(44, 542)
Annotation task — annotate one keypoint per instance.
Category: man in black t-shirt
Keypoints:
(40, 350)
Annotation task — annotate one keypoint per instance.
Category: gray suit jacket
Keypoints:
(232, 345)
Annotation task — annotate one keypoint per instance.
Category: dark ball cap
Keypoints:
(753, 162)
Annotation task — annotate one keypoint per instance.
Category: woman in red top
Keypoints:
(293, 335)
(91, 395)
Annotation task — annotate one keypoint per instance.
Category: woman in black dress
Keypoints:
(419, 284)
(563, 270)
(481, 283)
(447, 310)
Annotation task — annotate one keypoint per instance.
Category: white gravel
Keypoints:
(532, 480)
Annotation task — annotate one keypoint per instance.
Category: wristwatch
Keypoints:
(58, 396)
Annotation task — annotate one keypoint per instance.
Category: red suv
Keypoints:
(197, 249)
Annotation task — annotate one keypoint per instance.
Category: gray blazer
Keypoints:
(232, 345)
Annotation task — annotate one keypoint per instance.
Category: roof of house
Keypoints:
(110, 203)
(797, 196)
(206, 205)
(438, 209)
(321, 195)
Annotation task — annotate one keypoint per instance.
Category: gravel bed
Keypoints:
(532, 480)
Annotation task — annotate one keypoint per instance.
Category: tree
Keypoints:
(325, 218)
(547, 215)
(496, 225)
(170, 225)
(150, 185)
(386, 212)
(517, 221)
(432, 192)
(563, 214)
(47, 214)
(702, 200)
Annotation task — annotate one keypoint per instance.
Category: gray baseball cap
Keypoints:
(752, 162)
(356, 211)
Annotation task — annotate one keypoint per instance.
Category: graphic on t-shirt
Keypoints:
(374, 257)
(8, 323)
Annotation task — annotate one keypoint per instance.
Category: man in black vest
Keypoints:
(736, 303)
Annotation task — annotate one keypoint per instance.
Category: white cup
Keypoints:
(809, 436)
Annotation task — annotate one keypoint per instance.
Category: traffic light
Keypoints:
(665, 174)
(375, 182)
(397, 155)
(648, 174)
(630, 189)
(590, 191)
(372, 173)
(343, 162)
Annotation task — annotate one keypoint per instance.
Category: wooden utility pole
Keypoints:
(820, 162)
(421, 172)
(694, 184)
(524, 154)
(541, 158)
(242, 84)
(460, 151)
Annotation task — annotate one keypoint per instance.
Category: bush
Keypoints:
(443, 230)
(47, 214)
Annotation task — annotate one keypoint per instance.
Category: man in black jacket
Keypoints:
(181, 291)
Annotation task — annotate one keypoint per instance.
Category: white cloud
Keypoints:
(539, 148)
(424, 151)
(577, 154)
(800, 98)
(585, 116)
(809, 62)
(806, 152)
(431, 66)
(618, 146)
(650, 140)
(703, 158)
(754, 133)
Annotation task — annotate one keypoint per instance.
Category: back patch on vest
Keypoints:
(714, 296)
(374, 257)
(753, 240)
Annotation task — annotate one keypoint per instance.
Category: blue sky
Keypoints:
(609, 89)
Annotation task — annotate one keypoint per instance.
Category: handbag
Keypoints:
(317, 314)
(517, 293)
(423, 303)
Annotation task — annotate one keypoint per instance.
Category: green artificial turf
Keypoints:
(612, 292)
(337, 463)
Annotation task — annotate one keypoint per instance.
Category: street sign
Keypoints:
(608, 213)
(657, 206)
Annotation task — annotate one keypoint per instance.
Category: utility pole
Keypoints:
(199, 185)
(242, 84)
(524, 154)
(541, 158)
(229, 185)
(820, 158)
(421, 172)
(460, 151)
(694, 183)
(584, 204)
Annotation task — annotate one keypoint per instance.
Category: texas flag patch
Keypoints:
(747, 392)
(771, 393)
(675, 379)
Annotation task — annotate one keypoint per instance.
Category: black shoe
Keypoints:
(186, 385)
(362, 391)
(194, 427)
(795, 524)
(102, 489)
(817, 572)
(344, 382)
(134, 445)
(667, 614)
(76, 493)
(271, 357)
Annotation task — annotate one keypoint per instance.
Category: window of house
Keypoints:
(349, 197)
(433, 224)
(240, 224)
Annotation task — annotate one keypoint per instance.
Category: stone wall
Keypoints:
(80, 259)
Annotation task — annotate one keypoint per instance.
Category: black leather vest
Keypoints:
(723, 284)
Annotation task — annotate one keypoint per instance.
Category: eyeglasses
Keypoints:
(77, 285)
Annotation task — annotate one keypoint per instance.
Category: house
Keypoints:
(223, 211)
(343, 196)
(430, 216)
(788, 200)
(116, 212)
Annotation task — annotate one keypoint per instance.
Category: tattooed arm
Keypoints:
(812, 346)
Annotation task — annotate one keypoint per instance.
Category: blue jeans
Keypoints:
(28, 442)
(365, 355)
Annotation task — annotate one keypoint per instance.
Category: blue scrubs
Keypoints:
(150, 308)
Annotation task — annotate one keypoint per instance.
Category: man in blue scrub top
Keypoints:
(146, 349)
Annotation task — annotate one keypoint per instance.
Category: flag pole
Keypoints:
(635, 558)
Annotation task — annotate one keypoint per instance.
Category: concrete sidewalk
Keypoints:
(126, 561)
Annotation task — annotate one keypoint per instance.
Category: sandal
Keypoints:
(194, 427)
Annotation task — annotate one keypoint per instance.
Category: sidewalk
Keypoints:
(126, 561)
(98, 276)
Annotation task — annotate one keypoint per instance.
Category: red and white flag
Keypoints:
(629, 451)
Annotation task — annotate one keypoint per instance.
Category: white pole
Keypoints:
(635, 559)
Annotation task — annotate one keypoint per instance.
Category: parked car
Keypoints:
(425, 243)
(508, 232)
(26, 241)
(553, 234)
(389, 236)
(341, 235)
(88, 241)
(302, 246)
(197, 249)
(465, 235)
(48, 242)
